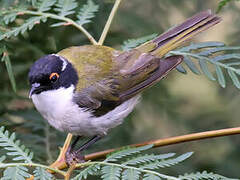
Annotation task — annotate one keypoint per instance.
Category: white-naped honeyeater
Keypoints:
(87, 90)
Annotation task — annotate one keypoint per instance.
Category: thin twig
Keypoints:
(5, 165)
(80, 165)
(172, 140)
(64, 19)
(109, 21)
(165, 142)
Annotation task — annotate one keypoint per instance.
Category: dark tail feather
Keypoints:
(181, 33)
(165, 66)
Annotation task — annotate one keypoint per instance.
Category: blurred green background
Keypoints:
(180, 104)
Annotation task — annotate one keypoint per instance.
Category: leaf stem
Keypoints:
(126, 167)
(109, 21)
(5, 165)
(65, 19)
(205, 58)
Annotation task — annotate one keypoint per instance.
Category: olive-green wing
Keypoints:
(125, 83)
(131, 72)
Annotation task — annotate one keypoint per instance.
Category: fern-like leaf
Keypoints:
(111, 172)
(8, 64)
(44, 5)
(151, 177)
(126, 152)
(15, 173)
(65, 7)
(166, 162)
(130, 174)
(87, 12)
(8, 18)
(207, 54)
(223, 3)
(42, 174)
(91, 170)
(132, 43)
(203, 175)
(9, 143)
(147, 158)
(28, 25)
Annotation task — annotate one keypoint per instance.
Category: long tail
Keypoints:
(175, 36)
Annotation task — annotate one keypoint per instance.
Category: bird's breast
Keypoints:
(58, 108)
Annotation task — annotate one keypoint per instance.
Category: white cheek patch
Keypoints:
(35, 85)
(65, 63)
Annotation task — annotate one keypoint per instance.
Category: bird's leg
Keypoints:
(76, 156)
(61, 160)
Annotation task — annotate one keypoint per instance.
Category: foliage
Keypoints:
(127, 163)
(217, 54)
(17, 21)
(223, 3)
(9, 143)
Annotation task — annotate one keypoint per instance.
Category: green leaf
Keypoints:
(6, 59)
(147, 158)
(28, 25)
(209, 52)
(181, 69)
(210, 55)
(87, 12)
(15, 173)
(91, 170)
(226, 57)
(221, 4)
(220, 76)
(9, 143)
(234, 78)
(195, 46)
(166, 162)
(130, 174)
(42, 174)
(126, 152)
(111, 173)
(65, 7)
(151, 177)
(204, 68)
(44, 5)
(191, 65)
(9, 17)
(132, 43)
(203, 175)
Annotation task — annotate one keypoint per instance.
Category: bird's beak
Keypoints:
(34, 89)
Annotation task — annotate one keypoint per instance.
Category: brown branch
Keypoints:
(172, 140)
(156, 143)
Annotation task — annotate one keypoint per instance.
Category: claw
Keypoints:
(73, 157)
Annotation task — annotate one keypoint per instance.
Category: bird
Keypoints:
(88, 90)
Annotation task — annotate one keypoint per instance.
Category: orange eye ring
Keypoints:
(54, 76)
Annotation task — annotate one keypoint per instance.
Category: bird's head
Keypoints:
(51, 72)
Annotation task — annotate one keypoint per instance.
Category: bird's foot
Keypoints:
(73, 157)
(60, 163)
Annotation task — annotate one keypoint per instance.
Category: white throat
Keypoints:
(58, 108)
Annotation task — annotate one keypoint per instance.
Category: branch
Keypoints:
(172, 140)
(109, 21)
(65, 19)
(162, 142)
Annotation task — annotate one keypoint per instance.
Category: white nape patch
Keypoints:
(57, 107)
(63, 60)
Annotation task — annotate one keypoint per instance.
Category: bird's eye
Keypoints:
(53, 77)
